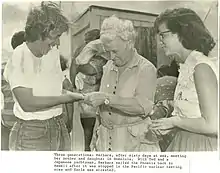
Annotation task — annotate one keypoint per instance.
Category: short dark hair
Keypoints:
(41, 20)
(17, 39)
(189, 27)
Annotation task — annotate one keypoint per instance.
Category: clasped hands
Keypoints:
(94, 98)
(160, 126)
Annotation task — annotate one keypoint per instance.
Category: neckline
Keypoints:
(29, 51)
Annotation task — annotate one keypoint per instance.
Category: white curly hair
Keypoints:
(113, 26)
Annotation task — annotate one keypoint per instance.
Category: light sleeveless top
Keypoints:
(186, 102)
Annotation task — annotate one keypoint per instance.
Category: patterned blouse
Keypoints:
(186, 102)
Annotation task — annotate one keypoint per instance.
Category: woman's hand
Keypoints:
(164, 123)
(95, 98)
(74, 96)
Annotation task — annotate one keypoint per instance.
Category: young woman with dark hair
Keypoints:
(182, 33)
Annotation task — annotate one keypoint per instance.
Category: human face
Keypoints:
(119, 50)
(49, 42)
(169, 41)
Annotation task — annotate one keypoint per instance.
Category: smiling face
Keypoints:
(169, 41)
(49, 42)
(119, 50)
(41, 47)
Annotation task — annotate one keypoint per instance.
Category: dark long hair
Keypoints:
(190, 28)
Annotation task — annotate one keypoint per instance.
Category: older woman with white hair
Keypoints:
(126, 93)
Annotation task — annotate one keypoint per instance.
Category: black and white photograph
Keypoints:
(110, 76)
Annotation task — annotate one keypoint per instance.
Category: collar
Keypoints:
(190, 60)
(191, 57)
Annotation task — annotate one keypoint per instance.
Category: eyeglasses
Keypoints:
(162, 34)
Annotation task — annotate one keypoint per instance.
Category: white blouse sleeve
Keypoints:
(15, 70)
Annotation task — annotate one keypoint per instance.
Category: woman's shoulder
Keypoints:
(19, 48)
(16, 61)
(144, 63)
(18, 53)
(200, 58)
